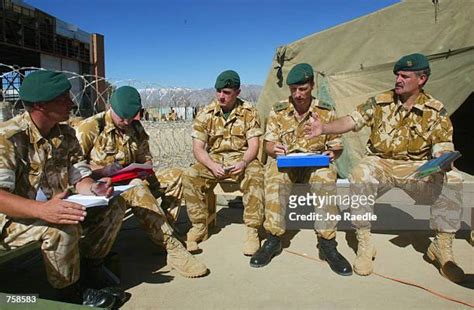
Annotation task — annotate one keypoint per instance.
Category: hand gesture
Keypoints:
(313, 128)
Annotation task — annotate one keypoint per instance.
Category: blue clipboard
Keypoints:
(302, 160)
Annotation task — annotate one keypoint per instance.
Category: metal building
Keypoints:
(30, 37)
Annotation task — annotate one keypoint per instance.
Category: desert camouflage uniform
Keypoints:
(226, 144)
(30, 162)
(399, 143)
(106, 145)
(284, 128)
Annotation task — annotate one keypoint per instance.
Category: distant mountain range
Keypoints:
(187, 97)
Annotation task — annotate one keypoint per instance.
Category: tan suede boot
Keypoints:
(440, 252)
(252, 242)
(183, 261)
(365, 253)
(198, 232)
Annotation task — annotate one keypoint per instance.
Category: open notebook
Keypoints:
(95, 201)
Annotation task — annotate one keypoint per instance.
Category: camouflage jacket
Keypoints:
(29, 161)
(406, 135)
(227, 139)
(284, 128)
(103, 143)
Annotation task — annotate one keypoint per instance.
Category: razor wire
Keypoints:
(170, 142)
(90, 92)
(85, 89)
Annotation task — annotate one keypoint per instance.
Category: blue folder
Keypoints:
(437, 164)
(304, 160)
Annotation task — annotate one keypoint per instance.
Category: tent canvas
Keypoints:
(354, 60)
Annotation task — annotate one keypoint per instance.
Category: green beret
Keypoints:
(228, 79)
(412, 62)
(300, 74)
(43, 86)
(126, 102)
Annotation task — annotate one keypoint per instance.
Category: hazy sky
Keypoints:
(189, 42)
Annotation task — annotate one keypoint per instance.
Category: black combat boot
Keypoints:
(271, 247)
(90, 297)
(98, 298)
(329, 253)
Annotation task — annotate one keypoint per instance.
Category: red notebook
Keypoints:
(132, 171)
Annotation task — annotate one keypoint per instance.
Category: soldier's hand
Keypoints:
(103, 187)
(238, 168)
(217, 170)
(280, 149)
(314, 127)
(58, 211)
(331, 155)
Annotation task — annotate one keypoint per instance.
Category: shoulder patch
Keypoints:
(325, 105)
(435, 104)
(208, 108)
(94, 123)
(384, 97)
(281, 105)
(443, 112)
(246, 105)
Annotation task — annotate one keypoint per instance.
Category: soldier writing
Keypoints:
(285, 135)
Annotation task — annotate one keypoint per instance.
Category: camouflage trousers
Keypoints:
(443, 191)
(60, 244)
(147, 210)
(167, 184)
(198, 180)
(278, 186)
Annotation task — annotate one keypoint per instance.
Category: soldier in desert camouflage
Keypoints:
(115, 139)
(225, 144)
(408, 127)
(40, 162)
(285, 135)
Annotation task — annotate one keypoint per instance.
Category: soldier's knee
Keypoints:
(190, 174)
(454, 176)
(176, 172)
(60, 236)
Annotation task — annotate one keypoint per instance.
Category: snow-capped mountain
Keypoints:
(187, 97)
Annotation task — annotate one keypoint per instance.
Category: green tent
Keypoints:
(354, 61)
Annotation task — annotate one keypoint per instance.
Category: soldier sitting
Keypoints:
(285, 135)
(40, 160)
(408, 127)
(116, 138)
(225, 144)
